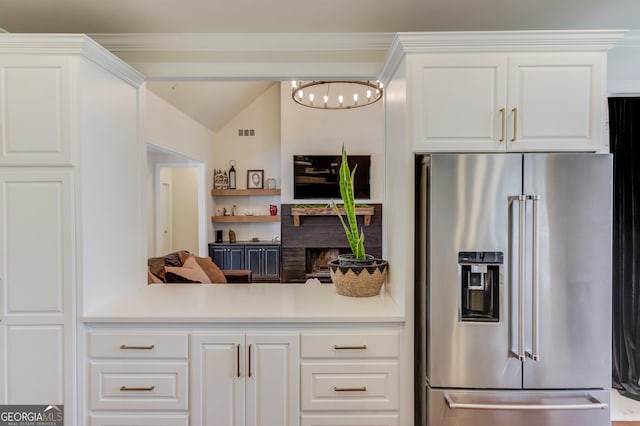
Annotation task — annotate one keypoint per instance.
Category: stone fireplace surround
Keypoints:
(320, 232)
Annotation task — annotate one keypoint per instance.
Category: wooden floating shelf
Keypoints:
(243, 192)
(296, 212)
(245, 219)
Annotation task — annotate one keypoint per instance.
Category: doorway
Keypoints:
(176, 211)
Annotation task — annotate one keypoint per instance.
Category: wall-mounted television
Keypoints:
(316, 176)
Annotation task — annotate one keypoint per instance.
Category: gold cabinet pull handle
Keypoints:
(502, 123)
(144, 348)
(238, 360)
(515, 124)
(360, 389)
(249, 363)
(352, 348)
(128, 389)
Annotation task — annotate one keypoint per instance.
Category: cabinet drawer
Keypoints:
(144, 420)
(342, 420)
(122, 344)
(138, 386)
(351, 345)
(349, 386)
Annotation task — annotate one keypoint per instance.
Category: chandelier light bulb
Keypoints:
(340, 99)
(300, 95)
(326, 100)
(355, 98)
(294, 84)
(311, 97)
(368, 95)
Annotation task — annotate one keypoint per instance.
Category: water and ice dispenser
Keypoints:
(479, 274)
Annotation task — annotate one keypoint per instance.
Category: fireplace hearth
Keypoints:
(306, 249)
(317, 261)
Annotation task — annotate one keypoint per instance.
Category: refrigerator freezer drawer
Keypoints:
(452, 407)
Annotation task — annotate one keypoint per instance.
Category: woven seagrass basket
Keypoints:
(358, 280)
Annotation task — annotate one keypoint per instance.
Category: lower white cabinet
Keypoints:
(137, 377)
(140, 385)
(350, 378)
(350, 420)
(203, 375)
(36, 285)
(245, 379)
(139, 420)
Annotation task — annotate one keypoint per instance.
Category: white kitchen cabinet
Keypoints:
(63, 100)
(245, 379)
(35, 109)
(140, 420)
(350, 420)
(134, 372)
(36, 282)
(509, 102)
(350, 371)
(497, 91)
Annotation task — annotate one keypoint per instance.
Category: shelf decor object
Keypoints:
(255, 179)
(339, 94)
(232, 174)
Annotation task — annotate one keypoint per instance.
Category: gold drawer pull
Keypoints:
(361, 347)
(360, 389)
(128, 389)
(502, 113)
(515, 124)
(147, 348)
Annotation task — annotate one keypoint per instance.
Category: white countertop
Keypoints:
(236, 303)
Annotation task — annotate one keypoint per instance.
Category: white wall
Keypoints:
(314, 131)
(623, 66)
(112, 253)
(259, 152)
(183, 141)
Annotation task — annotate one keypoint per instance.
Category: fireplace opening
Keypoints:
(317, 262)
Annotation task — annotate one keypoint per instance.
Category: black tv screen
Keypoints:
(316, 176)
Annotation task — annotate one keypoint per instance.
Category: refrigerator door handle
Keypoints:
(592, 404)
(535, 355)
(521, 256)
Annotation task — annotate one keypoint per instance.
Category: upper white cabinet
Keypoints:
(35, 109)
(509, 102)
(504, 91)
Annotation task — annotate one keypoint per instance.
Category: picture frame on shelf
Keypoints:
(255, 179)
(220, 179)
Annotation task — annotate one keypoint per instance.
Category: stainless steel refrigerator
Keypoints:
(513, 289)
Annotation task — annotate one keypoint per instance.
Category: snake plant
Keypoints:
(355, 238)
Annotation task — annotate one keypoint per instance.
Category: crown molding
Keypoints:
(244, 42)
(70, 44)
(631, 40)
(497, 41)
(243, 55)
